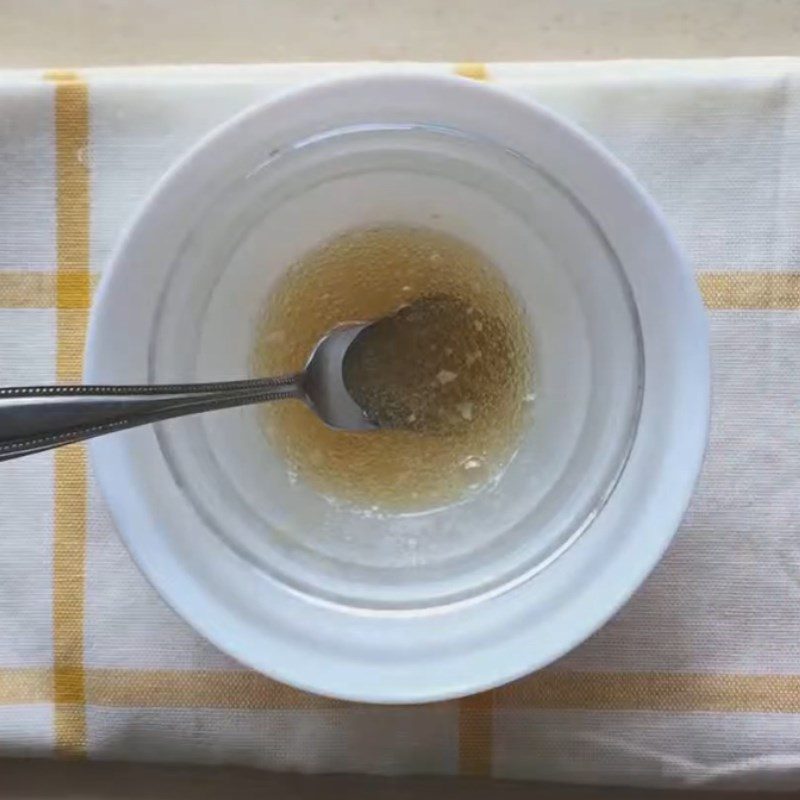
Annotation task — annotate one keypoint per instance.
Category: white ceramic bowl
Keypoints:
(426, 606)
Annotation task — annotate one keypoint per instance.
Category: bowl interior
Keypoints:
(587, 355)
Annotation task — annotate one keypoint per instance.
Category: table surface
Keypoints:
(61, 33)
(67, 33)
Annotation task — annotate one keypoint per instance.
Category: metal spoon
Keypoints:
(36, 418)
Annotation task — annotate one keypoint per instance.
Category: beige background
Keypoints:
(47, 33)
(80, 32)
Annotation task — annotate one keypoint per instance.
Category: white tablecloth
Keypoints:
(696, 681)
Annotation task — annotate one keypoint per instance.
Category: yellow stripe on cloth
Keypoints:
(27, 288)
(653, 691)
(474, 70)
(475, 718)
(72, 298)
(34, 288)
(764, 291)
(549, 689)
(197, 689)
(25, 686)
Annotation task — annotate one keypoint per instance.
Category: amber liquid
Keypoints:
(468, 400)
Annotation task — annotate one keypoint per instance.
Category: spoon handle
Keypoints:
(36, 418)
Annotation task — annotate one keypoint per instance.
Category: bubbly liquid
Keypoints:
(437, 365)
(466, 407)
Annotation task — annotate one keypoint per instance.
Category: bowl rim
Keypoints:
(674, 440)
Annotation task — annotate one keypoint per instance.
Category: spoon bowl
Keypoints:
(323, 381)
